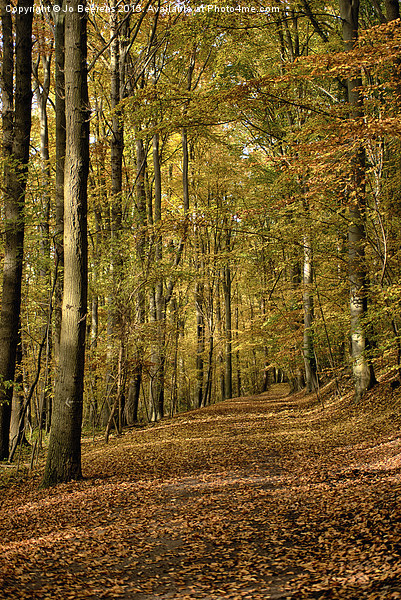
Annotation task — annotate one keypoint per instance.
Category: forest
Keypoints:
(200, 256)
(198, 201)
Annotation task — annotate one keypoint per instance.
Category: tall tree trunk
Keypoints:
(42, 93)
(59, 33)
(94, 321)
(16, 134)
(114, 304)
(116, 158)
(134, 386)
(209, 319)
(200, 320)
(309, 350)
(222, 380)
(174, 375)
(157, 312)
(228, 332)
(185, 170)
(364, 377)
(64, 454)
(17, 428)
(237, 353)
(200, 341)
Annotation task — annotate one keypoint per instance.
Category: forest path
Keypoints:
(268, 496)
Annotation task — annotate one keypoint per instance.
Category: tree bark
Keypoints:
(59, 25)
(42, 94)
(309, 351)
(228, 331)
(237, 353)
(200, 320)
(116, 158)
(64, 454)
(364, 377)
(221, 374)
(17, 428)
(200, 342)
(157, 313)
(134, 386)
(16, 134)
(115, 332)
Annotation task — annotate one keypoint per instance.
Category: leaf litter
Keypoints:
(268, 496)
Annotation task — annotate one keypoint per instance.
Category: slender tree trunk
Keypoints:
(116, 158)
(157, 312)
(115, 332)
(364, 377)
(228, 332)
(16, 134)
(220, 357)
(17, 429)
(237, 353)
(94, 325)
(266, 370)
(174, 375)
(42, 97)
(116, 408)
(94, 332)
(208, 386)
(309, 350)
(200, 320)
(185, 170)
(64, 454)
(42, 93)
(200, 342)
(117, 138)
(141, 242)
(211, 328)
(185, 150)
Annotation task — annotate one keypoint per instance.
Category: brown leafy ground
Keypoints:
(259, 497)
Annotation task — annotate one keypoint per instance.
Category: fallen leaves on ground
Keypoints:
(269, 496)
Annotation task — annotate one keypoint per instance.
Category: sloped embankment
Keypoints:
(269, 496)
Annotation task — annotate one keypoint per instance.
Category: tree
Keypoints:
(364, 377)
(59, 35)
(41, 92)
(308, 349)
(16, 134)
(64, 454)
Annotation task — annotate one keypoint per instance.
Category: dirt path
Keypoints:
(261, 497)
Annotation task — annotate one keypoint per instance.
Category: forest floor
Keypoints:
(268, 496)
